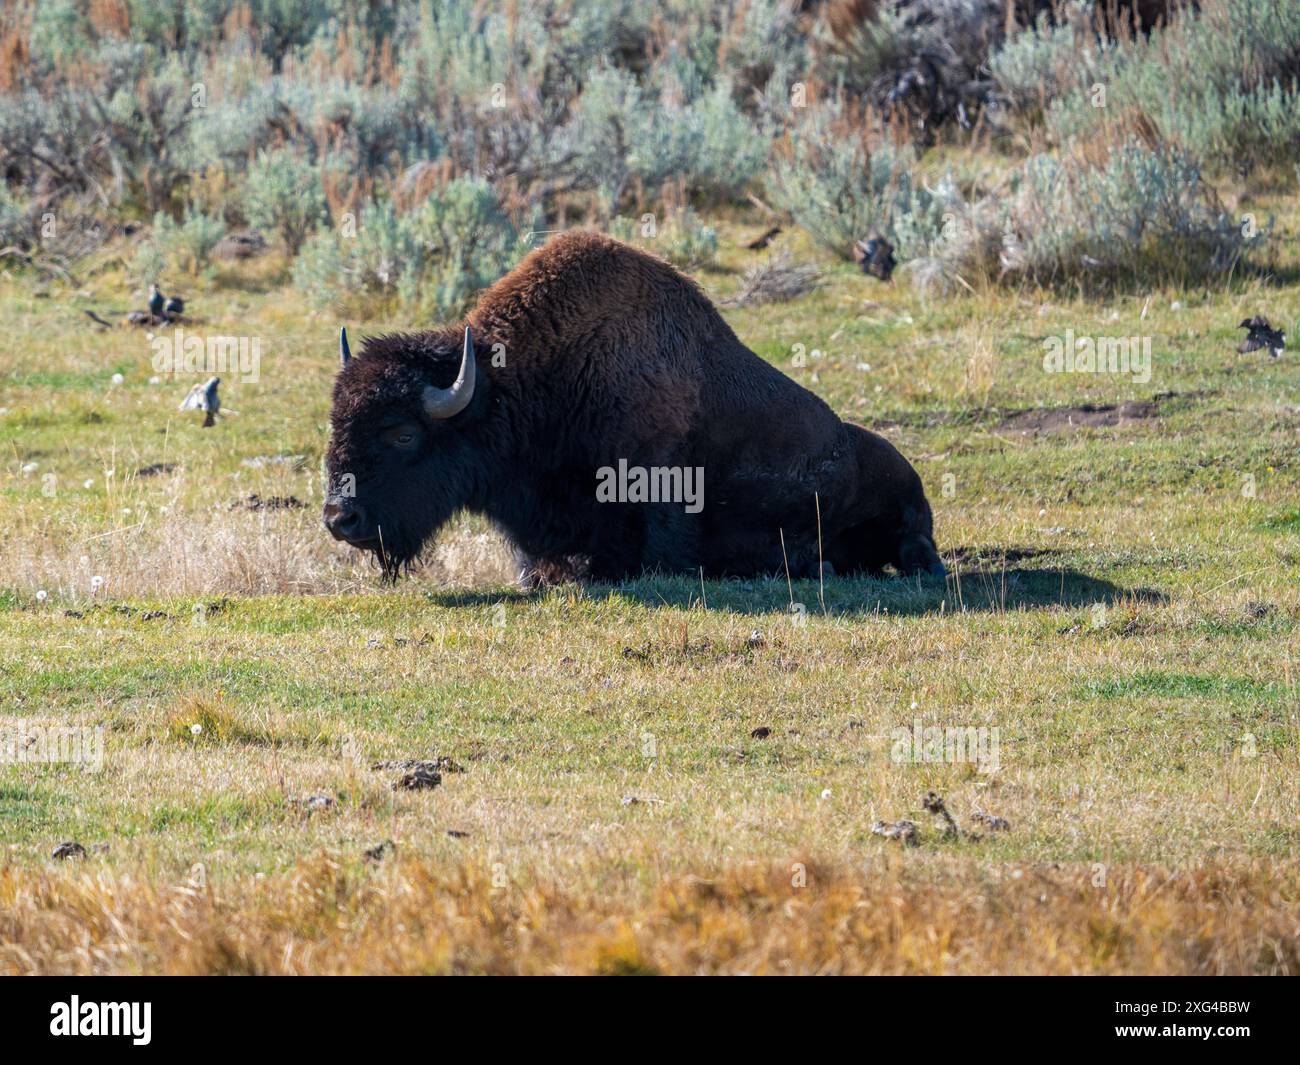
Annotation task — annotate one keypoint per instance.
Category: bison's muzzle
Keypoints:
(347, 521)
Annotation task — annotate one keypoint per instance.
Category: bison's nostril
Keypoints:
(344, 520)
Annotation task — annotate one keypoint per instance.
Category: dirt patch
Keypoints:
(257, 502)
(1036, 421)
(928, 419)
(1051, 420)
(996, 556)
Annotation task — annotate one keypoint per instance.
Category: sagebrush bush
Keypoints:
(283, 195)
(431, 260)
(1242, 130)
(1141, 216)
(840, 182)
(284, 112)
(924, 61)
(1222, 82)
(676, 129)
(147, 265)
(695, 135)
(1042, 62)
(759, 44)
(15, 221)
(681, 237)
(187, 245)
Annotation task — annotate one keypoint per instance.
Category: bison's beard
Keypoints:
(394, 551)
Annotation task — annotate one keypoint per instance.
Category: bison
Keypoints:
(599, 411)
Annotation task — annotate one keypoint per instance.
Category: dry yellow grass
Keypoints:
(900, 913)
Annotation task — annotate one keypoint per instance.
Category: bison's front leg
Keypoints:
(533, 573)
(612, 549)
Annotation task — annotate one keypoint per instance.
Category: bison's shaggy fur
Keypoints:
(592, 352)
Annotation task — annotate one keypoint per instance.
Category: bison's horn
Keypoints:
(344, 353)
(441, 403)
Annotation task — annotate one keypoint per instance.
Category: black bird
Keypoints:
(759, 243)
(876, 256)
(174, 308)
(1261, 335)
(376, 853)
(156, 301)
(204, 397)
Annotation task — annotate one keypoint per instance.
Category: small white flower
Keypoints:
(117, 379)
(154, 379)
(31, 467)
(41, 596)
(826, 793)
(915, 704)
(195, 729)
(96, 582)
(89, 482)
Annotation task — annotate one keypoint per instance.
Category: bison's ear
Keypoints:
(344, 353)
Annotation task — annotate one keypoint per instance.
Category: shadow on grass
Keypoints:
(975, 582)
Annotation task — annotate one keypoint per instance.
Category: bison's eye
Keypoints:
(401, 436)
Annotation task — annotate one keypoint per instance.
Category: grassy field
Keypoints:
(1122, 608)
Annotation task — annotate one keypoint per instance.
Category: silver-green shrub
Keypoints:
(283, 195)
(1051, 58)
(187, 245)
(681, 238)
(431, 261)
(1222, 82)
(840, 182)
(1141, 217)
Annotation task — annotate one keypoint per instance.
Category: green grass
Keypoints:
(1123, 610)
(1190, 686)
